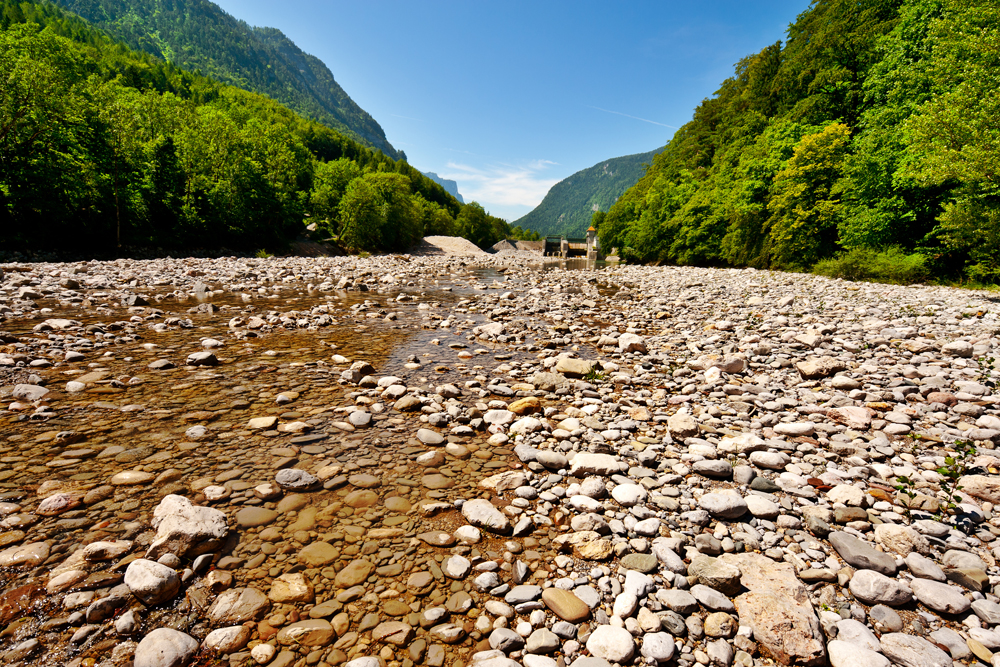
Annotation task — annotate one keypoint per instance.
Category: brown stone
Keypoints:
(355, 573)
(778, 609)
(361, 498)
(319, 554)
(15, 602)
(393, 632)
(565, 605)
(525, 406)
(314, 632)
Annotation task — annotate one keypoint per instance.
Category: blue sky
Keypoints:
(508, 98)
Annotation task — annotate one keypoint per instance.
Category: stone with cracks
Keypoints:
(911, 651)
(778, 609)
(482, 514)
(185, 529)
(165, 647)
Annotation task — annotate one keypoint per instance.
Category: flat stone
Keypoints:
(354, 573)
(482, 514)
(565, 605)
(860, 555)
(913, 651)
(252, 517)
(238, 605)
(940, 597)
(644, 563)
(847, 654)
(293, 587)
(131, 478)
(393, 632)
(778, 609)
(318, 554)
(313, 632)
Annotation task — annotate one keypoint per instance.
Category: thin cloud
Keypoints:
(395, 115)
(644, 120)
(508, 185)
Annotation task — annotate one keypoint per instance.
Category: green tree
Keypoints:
(378, 212)
(329, 184)
(805, 207)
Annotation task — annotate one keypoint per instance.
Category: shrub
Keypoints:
(892, 265)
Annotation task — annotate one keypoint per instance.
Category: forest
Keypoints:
(869, 138)
(199, 36)
(104, 147)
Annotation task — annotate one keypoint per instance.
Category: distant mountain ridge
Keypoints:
(569, 205)
(451, 187)
(199, 35)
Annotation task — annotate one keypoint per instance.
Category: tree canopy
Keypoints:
(874, 125)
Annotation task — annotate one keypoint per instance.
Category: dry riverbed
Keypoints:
(449, 461)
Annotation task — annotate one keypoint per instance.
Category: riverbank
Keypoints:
(416, 460)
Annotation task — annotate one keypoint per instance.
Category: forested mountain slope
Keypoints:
(569, 204)
(876, 124)
(103, 147)
(198, 35)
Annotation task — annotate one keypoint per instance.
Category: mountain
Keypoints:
(451, 187)
(198, 35)
(569, 205)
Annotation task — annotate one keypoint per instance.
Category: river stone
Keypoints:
(901, 539)
(151, 582)
(984, 487)
(723, 505)
(644, 563)
(293, 478)
(912, 651)
(313, 632)
(318, 554)
(252, 517)
(429, 437)
(355, 573)
(360, 498)
(393, 632)
(482, 514)
(291, 588)
(658, 646)
(574, 368)
(925, 568)
(185, 529)
(238, 605)
(227, 640)
(27, 555)
(820, 367)
(940, 597)
(872, 587)
(778, 609)
(860, 555)
(611, 643)
(716, 574)
(565, 605)
(131, 478)
(594, 464)
(165, 647)
(848, 654)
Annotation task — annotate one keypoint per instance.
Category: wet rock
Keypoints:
(165, 647)
(186, 529)
(151, 582)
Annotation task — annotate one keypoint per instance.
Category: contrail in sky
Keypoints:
(644, 120)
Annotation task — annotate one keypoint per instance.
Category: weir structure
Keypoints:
(588, 246)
